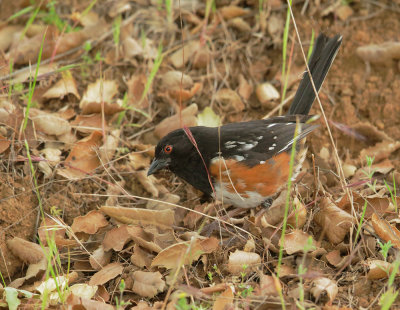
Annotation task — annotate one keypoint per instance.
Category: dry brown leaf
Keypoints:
(52, 230)
(381, 150)
(28, 252)
(116, 238)
(176, 80)
(184, 253)
(386, 231)
(240, 24)
(51, 124)
(379, 269)
(298, 216)
(344, 12)
(296, 242)
(324, 285)
(238, 259)
(225, 300)
(379, 54)
(139, 160)
(7, 35)
(141, 258)
(335, 222)
(185, 95)
(183, 55)
(269, 286)
(136, 87)
(232, 11)
(101, 91)
(4, 144)
(89, 123)
(145, 239)
(89, 223)
(148, 182)
(99, 258)
(106, 274)
(83, 158)
(66, 85)
(147, 284)
(164, 219)
(229, 100)
(171, 123)
(75, 302)
(245, 88)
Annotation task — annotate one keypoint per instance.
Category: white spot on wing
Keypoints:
(248, 146)
(274, 144)
(271, 125)
(238, 157)
(271, 148)
(262, 162)
(260, 137)
(275, 137)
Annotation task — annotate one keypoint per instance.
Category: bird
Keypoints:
(245, 164)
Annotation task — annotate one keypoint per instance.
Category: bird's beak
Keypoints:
(157, 165)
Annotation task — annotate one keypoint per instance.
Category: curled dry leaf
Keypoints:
(225, 300)
(99, 258)
(185, 95)
(147, 284)
(53, 156)
(66, 85)
(88, 123)
(267, 94)
(83, 157)
(297, 241)
(379, 54)
(106, 274)
(28, 252)
(89, 223)
(238, 259)
(381, 150)
(240, 24)
(324, 285)
(232, 11)
(229, 100)
(245, 88)
(97, 93)
(379, 269)
(386, 231)
(335, 222)
(184, 253)
(173, 122)
(51, 124)
(163, 218)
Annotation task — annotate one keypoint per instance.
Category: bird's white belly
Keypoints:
(249, 200)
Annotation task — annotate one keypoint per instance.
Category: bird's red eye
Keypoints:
(168, 149)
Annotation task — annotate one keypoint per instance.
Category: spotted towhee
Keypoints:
(246, 163)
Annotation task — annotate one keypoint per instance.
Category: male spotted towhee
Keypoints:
(246, 163)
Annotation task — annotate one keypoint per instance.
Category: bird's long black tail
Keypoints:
(324, 52)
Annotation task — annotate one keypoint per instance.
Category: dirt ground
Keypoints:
(361, 100)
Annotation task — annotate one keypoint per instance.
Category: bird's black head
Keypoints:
(170, 150)
(177, 153)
